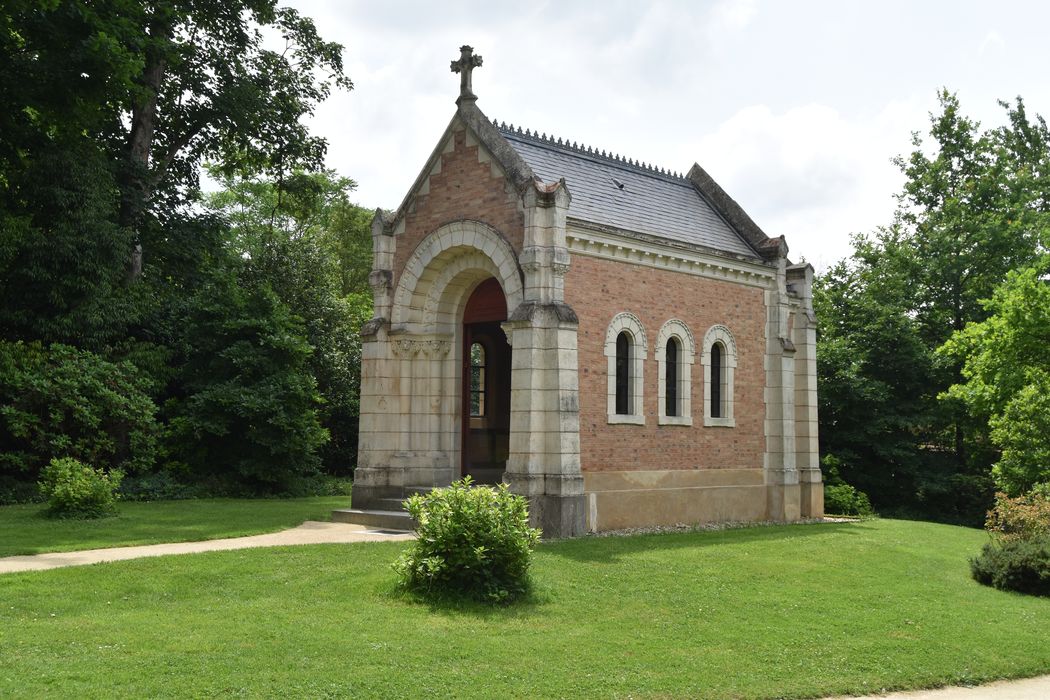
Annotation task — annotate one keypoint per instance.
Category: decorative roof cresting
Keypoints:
(464, 66)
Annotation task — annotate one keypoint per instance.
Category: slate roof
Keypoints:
(612, 191)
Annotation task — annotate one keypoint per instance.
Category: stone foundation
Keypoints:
(628, 499)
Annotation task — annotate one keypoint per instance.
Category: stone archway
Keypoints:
(412, 402)
(453, 258)
(413, 370)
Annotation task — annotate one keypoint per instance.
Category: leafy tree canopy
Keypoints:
(973, 208)
(1007, 376)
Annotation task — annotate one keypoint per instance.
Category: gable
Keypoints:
(461, 181)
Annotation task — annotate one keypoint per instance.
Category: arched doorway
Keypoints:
(486, 385)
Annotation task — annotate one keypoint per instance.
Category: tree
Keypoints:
(107, 110)
(124, 99)
(1006, 367)
(873, 368)
(246, 416)
(303, 238)
(209, 88)
(970, 211)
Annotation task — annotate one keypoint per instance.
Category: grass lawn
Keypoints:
(800, 611)
(24, 531)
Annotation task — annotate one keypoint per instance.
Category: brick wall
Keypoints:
(598, 290)
(463, 189)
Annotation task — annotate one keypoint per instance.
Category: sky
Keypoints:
(796, 108)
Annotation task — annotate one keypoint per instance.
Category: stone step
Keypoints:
(392, 504)
(382, 519)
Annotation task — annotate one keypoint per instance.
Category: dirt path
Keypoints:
(1027, 689)
(310, 532)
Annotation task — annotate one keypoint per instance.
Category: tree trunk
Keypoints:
(135, 185)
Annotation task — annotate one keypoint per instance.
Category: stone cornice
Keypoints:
(667, 255)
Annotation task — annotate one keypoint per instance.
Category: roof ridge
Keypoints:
(511, 130)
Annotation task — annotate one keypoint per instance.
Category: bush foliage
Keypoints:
(1022, 518)
(248, 413)
(1021, 565)
(472, 541)
(843, 499)
(76, 490)
(1018, 557)
(59, 401)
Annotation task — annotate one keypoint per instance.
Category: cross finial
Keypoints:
(467, 62)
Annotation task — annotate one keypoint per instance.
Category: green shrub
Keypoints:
(843, 499)
(472, 541)
(59, 401)
(1022, 518)
(75, 490)
(1021, 565)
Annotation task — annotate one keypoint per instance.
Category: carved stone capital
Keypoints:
(407, 348)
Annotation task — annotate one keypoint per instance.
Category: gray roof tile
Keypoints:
(613, 192)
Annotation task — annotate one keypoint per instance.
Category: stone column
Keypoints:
(380, 417)
(381, 421)
(544, 461)
(807, 451)
(781, 473)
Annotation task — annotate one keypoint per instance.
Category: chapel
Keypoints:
(619, 343)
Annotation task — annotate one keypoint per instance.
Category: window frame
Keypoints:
(720, 335)
(639, 350)
(679, 331)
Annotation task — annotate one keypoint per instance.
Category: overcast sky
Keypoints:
(794, 107)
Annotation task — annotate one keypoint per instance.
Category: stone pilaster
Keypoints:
(807, 452)
(545, 256)
(544, 462)
(781, 472)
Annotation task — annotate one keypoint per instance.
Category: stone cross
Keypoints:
(467, 62)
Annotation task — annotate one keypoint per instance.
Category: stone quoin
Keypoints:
(619, 343)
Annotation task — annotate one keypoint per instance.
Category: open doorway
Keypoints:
(486, 385)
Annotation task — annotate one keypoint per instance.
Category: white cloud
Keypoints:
(733, 14)
(795, 108)
(992, 44)
(811, 174)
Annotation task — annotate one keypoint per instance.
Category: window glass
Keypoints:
(671, 380)
(716, 380)
(623, 374)
(477, 380)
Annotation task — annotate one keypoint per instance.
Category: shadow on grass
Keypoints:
(609, 549)
(527, 606)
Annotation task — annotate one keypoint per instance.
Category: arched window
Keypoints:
(716, 380)
(675, 350)
(626, 348)
(719, 361)
(671, 378)
(623, 374)
(477, 380)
